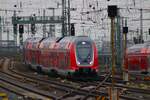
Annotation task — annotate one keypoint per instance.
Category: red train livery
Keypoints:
(137, 58)
(65, 55)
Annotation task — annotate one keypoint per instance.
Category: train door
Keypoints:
(148, 58)
(64, 59)
(143, 62)
(33, 56)
(50, 59)
(61, 59)
(30, 53)
(37, 56)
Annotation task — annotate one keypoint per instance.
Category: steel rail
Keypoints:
(63, 86)
(23, 86)
(72, 89)
(8, 78)
(78, 90)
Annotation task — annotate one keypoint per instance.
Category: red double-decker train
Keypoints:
(137, 58)
(65, 55)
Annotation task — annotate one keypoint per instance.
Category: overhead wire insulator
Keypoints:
(87, 12)
(93, 8)
(90, 6)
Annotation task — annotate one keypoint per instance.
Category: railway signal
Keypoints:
(125, 30)
(33, 28)
(125, 72)
(112, 13)
(72, 30)
(15, 28)
(135, 40)
(21, 31)
(149, 31)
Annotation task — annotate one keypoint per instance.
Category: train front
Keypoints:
(86, 56)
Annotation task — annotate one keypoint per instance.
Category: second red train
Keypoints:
(138, 58)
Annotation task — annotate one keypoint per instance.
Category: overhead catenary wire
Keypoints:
(98, 19)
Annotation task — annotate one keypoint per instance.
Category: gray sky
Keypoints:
(93, 24)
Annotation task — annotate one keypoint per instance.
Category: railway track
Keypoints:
(12, 84)
(126, 92)
(102, 84)
(79, 90)
(124, 89)
(70, 90)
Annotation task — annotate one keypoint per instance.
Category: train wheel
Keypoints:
(69, 76)
(25, 63)
(93, 73)
(144, 72)
(53, 73)
(29, 66)
(39, 69)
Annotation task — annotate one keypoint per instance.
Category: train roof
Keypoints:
(137, 48)
(34, 39)
(69, 38)
(32, 42)
(50, 42)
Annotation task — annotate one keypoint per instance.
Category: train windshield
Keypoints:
(84, 52)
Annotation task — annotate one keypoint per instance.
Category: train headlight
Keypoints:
(78, 62)
(83, 42)
(91, 62)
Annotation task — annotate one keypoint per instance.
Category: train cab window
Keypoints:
(84, 52)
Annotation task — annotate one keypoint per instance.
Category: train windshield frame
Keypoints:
(84, 53)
